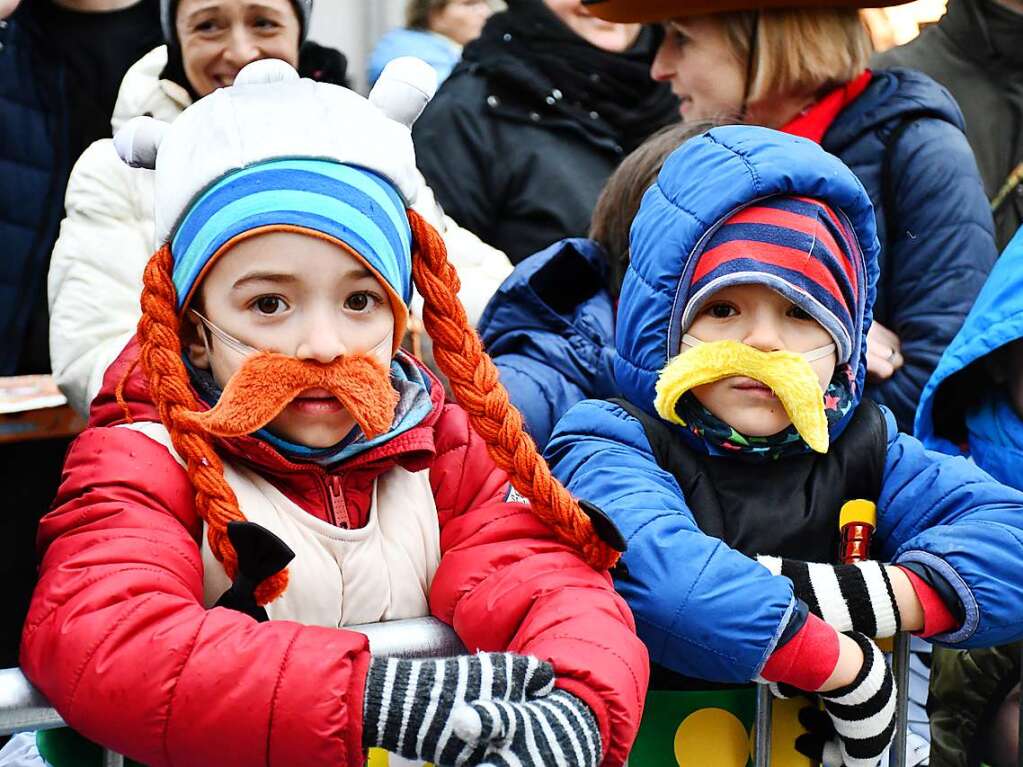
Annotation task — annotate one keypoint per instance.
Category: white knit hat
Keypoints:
(270, 113)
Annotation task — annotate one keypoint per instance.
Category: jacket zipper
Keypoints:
(336, 502)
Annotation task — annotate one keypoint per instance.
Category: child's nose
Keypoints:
(765, 336)
(322, 342)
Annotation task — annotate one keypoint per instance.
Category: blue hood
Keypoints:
(995, 320)
(701, 185)
(574, 272)
(550, 330)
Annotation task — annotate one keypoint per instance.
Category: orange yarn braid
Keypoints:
(473, 376)
(160, 356)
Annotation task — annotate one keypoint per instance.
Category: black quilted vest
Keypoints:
(788, 507)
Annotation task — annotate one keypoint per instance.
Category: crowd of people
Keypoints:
(585, 354)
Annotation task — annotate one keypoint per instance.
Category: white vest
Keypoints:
(339, 577)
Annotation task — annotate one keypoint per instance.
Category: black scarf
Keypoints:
(530, 49)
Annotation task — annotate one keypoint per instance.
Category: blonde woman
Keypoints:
(804, 71)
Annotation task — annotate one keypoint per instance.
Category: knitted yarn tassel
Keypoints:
(474, 380)
(160, 355)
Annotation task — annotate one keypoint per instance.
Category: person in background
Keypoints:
(96, 272)
(973, 406)
(975, 52)
(61, 62)
(550, 327)
(435, 31)
(542, 108)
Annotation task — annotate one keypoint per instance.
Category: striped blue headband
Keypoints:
(344, 202)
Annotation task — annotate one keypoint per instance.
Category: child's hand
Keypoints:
(862, 714)
(557, 729)
(409, 703)
(858, 597)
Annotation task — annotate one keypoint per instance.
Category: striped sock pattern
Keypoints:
(857, 597)
(863, 713)
(558, 729)
(408, 704)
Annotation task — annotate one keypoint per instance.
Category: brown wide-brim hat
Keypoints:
(646, 11)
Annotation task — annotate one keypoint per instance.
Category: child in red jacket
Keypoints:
(265, 447)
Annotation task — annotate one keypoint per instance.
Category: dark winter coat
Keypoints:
(517, 178)
(34, 167)
(550, 330)
(518, 143)
(974, 51)
(903, 137)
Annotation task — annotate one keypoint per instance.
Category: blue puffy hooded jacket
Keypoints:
(550, 331)
(962, 411)
(702, 608)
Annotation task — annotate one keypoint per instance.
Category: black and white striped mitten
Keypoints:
(409, 703)
(556, 730)
(856, 597)
(863, 712)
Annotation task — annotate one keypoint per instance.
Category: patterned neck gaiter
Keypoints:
(724, 440)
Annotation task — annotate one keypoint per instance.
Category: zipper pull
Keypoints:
(338, 510)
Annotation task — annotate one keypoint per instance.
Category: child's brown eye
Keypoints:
(796, 313)
(359, 302)
(269, 304)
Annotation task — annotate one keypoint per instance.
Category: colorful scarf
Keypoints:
(722, 439)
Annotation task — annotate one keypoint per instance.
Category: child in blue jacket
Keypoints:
(741, 431)
(973, 405)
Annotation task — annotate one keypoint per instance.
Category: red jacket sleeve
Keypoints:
(505, 583)
(118, 639)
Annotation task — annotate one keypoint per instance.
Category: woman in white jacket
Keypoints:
(95, 277)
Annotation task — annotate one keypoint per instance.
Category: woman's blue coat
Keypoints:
(702, 608)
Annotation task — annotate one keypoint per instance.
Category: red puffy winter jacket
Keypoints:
(118, 638)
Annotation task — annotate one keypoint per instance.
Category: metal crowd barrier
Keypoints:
(23, 708)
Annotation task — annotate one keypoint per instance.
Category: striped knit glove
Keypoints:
(558, 729)
(410, 709)
(855, 597)
(862, 715)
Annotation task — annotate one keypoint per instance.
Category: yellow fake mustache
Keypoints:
(788, 374)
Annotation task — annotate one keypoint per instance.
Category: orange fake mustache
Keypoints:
(266, 383)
